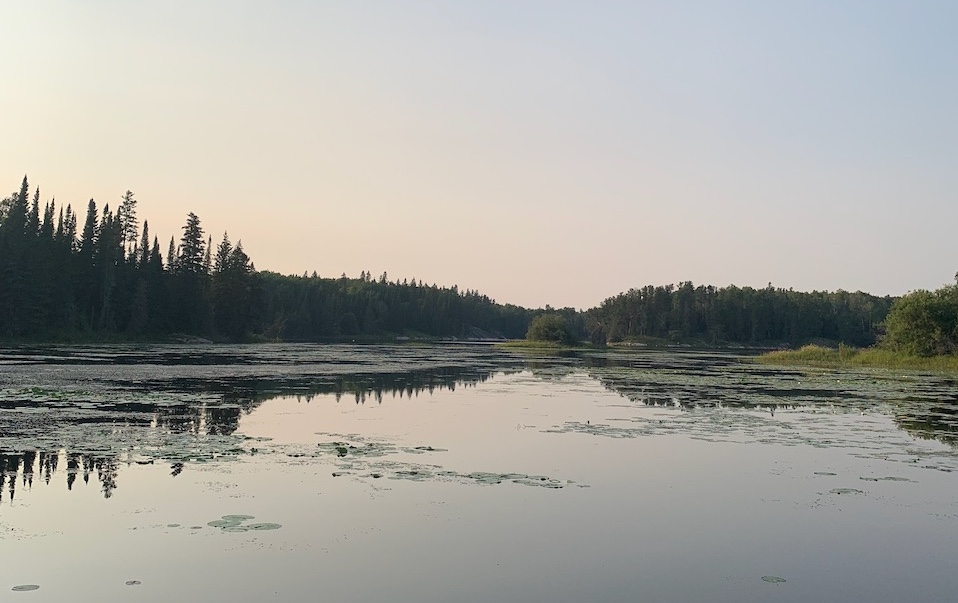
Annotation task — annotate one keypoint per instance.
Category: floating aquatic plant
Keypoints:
(25, 587)
(263, 526)
(234, 523)
(845, 491)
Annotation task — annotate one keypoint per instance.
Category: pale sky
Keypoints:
(542, 152)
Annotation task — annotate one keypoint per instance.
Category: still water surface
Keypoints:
(465, 473)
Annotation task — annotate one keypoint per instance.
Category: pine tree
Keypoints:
(190, 285)
(156, 258)
(89, 236)
(15, 222)
(46, 227)
(192, 248)
(126, 216)
(223, 251)
(13, 266)
(232, 289)
(33, 218)
(144, 246)
(171, 264)
(69, 230)
(109, 256)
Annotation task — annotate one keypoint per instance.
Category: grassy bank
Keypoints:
(817, 356)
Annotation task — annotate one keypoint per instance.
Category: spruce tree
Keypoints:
(126, 216)
(192, 247)
(33, 218)
(88, 238)
(13, 268)
(144, 246)
(171, 257)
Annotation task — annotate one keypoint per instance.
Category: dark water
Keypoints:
(464, 473)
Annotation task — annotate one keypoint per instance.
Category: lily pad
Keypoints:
(25, 587)
(234, 523)
(133, 583)
(264, 526)
(845, 491)
(773, 579)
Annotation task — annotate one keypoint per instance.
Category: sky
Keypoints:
(541, 152)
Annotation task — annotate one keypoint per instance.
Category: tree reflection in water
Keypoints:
(220, 418)
(96, 433)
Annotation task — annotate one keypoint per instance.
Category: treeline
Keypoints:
(312, 308)
(110, 279)
(738, 315)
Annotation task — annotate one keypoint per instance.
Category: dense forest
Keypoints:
(110, 279)
(106, 277)
(743, 315)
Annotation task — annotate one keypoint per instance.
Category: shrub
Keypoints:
(550, 327)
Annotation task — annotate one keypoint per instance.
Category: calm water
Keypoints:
(463, 473)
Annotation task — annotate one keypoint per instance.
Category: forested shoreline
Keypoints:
(712, 315)
(110, 280)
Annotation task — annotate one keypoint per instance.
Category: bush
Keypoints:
(924, 323)
(550, 327)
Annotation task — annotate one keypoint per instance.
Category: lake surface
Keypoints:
(465, 473)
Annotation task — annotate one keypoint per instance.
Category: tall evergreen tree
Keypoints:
(126, 215)
(192, 247)
(232, 289)
(33, 217)
(190, 284)
(89, 235)
(14, 275)
(206, 255)
(171, 262)
(46, 227)
(144, 246)
(59, 231)
(69, 229)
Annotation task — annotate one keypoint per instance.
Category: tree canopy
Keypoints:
(550, 327)
(110, 279)
(924, 323)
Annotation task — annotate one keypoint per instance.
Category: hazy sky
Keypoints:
(542, 152)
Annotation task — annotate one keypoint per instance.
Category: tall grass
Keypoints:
(845, 356)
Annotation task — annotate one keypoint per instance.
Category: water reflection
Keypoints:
(935, 423)
(97, 438)
(25, 466)
(187, 406)
(697, 380)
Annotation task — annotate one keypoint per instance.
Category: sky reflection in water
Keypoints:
(442, 473)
